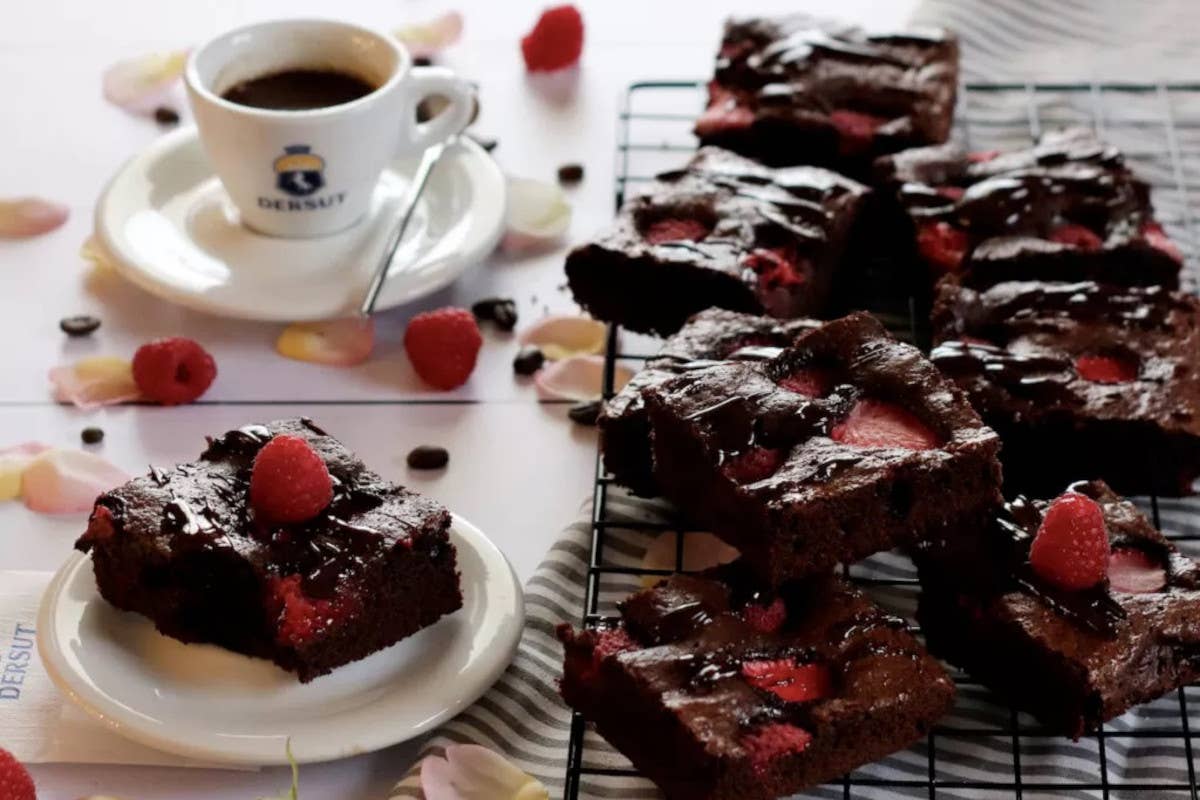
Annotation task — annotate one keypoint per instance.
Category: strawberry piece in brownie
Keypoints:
(887, 453)
(220, 551)
(1076, 608)
(711, 706)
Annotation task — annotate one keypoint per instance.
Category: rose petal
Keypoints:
(67, 481)
(700, 551)
(428, 38)
(95, 381)
(24, 217)
(339, 342)
(138, 84)
(13, 462)
(538, 215)
(565, 336)
(578, 378)
(471, 772)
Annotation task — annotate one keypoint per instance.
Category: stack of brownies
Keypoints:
(1062, 351)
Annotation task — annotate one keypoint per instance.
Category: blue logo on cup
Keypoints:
(299, 172)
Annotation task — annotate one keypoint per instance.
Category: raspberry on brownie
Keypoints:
(1067, 209)
(1079, 379)
(799, 90)
(1073, 645)
(846, 444)
(201, 551)
(723, 231)
(708, 337)
(710, 705)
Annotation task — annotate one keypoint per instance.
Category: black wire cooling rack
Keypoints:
(983, 749)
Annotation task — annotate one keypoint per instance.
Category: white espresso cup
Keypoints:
(312, 172)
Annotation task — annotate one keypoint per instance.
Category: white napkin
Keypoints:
(37, 723)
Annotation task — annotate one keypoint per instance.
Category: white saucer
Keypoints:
(172, 229)
(211, 704)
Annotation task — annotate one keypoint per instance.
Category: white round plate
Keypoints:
(214, 705)
(171, 228)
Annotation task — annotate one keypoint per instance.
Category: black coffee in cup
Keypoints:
(298, 90)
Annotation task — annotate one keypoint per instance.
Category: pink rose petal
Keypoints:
(538, 215)
(701, 551)
(578, 378)
(425, 39)
(471, 772)
(338, 342)
(1135, 572)
(67, 481)
(24, 217)
(139, 84)
(13, 462)
(561, 336)
(93, 382)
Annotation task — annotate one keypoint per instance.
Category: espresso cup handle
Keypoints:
(424, 82)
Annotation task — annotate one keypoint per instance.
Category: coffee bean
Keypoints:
(79, 325)
(488, 143)
(428, 456)
(166, 116)
(570, 173)
(501, 310)
(585, 413)
(529, 360)
(91, 435)
(422, 61)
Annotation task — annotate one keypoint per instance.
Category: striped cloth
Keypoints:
(982, 748)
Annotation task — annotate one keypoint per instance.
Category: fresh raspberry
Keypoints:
(872, 423)
(752, 465)
(766, 619)
(556, 40)
(723, 113)
(792, 682)
(1076, 236)
(289, 482)
(942, 245)
(808, 381)
(173, 371)
(982, 156)
(675, 229)
(1071, 546)
(1134, 571)
(15, 781)
(299, 617)
(856, 130)
(1157, 238)
(1106, 369)
(954, 193)
(443, 345)
(773, 740)
(776, 267)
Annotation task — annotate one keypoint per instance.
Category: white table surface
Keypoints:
(519, 469)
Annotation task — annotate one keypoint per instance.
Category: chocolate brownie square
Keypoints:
(799, 90)
(846, 444)
(725, 232)
(1079, 379)
(1074, 658)
(184, 548)
(718, 692)
(1066, 209)
(708, 337)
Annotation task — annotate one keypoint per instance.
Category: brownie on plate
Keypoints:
(710, 336)
(1079, 379)
(723, 231)
(1072, 657)
(1066, 209)
(797, 90)
(183, 547)
(846, 444)
(716, 692)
